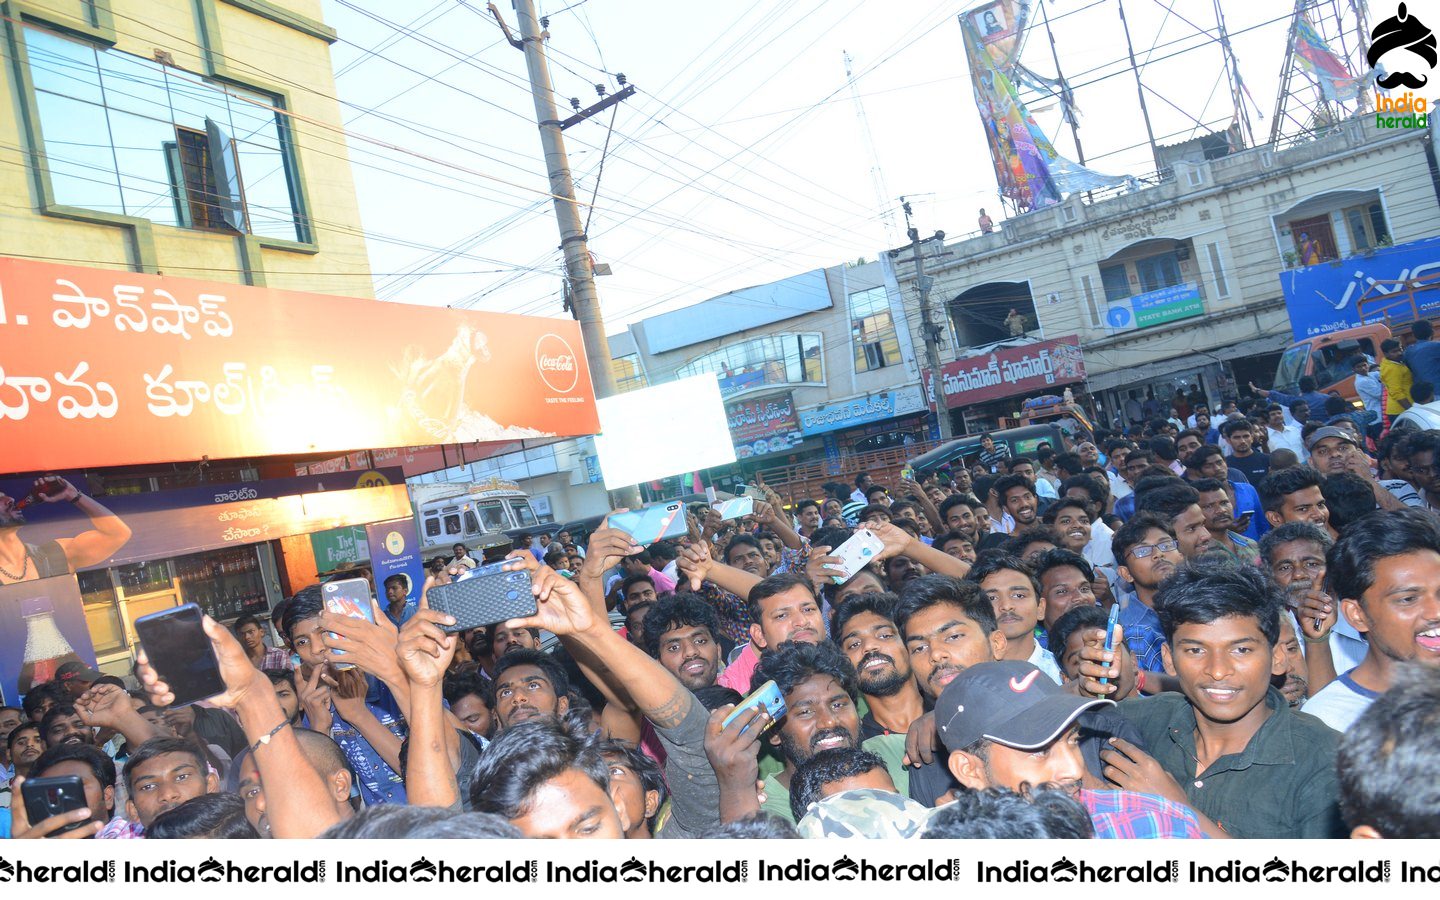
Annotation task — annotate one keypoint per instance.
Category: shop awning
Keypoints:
(1160, 368)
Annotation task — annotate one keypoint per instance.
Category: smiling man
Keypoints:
(864, 627)
(1229, 744)
(1385, 571)
(1294, 495)
(819, 686)
(683, 633)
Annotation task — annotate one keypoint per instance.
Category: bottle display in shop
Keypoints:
(224, 583)
(46, 649)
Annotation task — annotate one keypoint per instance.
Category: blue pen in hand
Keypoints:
(1110, 634)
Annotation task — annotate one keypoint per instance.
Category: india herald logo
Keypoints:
(556, 363)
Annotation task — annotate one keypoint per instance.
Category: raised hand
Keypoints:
(369, 645)
(694, 562)
(236, 670)
(561, 606)
(425, 650)
(606, 548)
(105, 706)
(1096, 662)
(314, 694)
(1316, 612)
(895, 539)
(821, 568)
(21, 829)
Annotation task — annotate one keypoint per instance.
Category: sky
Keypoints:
(742, 158)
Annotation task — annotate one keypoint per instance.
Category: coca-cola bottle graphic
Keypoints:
(48, 489)
(46, 649)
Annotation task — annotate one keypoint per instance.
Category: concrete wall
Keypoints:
(278, 47)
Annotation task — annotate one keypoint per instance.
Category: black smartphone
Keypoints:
(486, 595)
(46, 797)
(180, 653)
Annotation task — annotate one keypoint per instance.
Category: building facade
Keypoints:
(194, 138)
(1178, 284)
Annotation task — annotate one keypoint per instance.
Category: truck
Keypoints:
(1387, 310)
(476, 514)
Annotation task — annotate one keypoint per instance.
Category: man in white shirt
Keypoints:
(1282, 436)
(1014, 593)
(1368, 386)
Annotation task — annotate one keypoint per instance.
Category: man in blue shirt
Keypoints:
(1423, 356)
(1308, 392)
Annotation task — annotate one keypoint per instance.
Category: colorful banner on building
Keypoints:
(1336, 295)
(1012, 371)
(395, 553)
(764, 425)
(1029, 170)
(42, 627)
(100, 367)
(129, 528)
(862, 410)
(1169, 304)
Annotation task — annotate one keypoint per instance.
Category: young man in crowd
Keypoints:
(864, 628)
(683, 633)
(1396, 378)
(1334, 451)
(1228, 745)
(96, 772)
(1146, 553)
(1240, 435)
(504, 639)
(1179, 503)
(948, 625)
(819, 687)
(1014, 594)
(161, 774)
(958, 515)
(335, 702)
(956, 544)
(991, 454)
(1279, 434)
(1389, 764)
(1385, 571)
(1067, 582)
(550, 780)
(1004, 725)
(1294, 555)
(251, 633)
(1068, 635)
(1294, 495)
(1016, 499)
(1219, 513)
(807, 514)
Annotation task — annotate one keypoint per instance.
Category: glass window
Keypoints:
(127, 135)
(524, 516)
(492, 517)
(772, 359)
(452, 524)
(432, 527)
(629, 375)
(1116, 281)
(472, 525)
(1377, 223)
(873, 330)
(1158, 272)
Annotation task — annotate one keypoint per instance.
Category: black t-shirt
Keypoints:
(1255, 466)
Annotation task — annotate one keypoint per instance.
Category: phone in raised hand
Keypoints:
(767, 697)
(654, 523)
(1110, 626)
(179, 651)
(856, 553)
(351, 598)
(735, 508)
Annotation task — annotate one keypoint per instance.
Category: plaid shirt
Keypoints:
(275, 658)
(120, 829)
(1142, 632)
(1127, 814)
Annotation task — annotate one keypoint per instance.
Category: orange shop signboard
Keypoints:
(100, 367)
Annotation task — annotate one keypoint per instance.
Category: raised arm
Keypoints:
(698, 564)
(898, 542)
(89, 547)
(300, 805)
(423, 654)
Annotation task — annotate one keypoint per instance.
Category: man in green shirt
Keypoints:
(1228, 746)
(1219, 509)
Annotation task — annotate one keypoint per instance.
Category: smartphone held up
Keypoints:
(179, 651)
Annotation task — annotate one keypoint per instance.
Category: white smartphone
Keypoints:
(856, 553)
(735, 508)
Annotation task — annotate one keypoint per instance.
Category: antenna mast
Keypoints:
(877, 178)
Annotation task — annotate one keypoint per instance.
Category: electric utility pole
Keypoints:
(579, 275)
(931, 332)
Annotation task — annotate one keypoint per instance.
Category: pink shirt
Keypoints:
(664, 584)
(737, 675)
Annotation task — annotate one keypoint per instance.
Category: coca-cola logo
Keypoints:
(556, 361)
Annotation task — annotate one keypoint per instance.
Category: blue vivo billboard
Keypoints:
(1325, 297)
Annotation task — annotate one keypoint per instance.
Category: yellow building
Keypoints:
(193, 138)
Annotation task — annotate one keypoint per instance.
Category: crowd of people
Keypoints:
(1274, 580)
